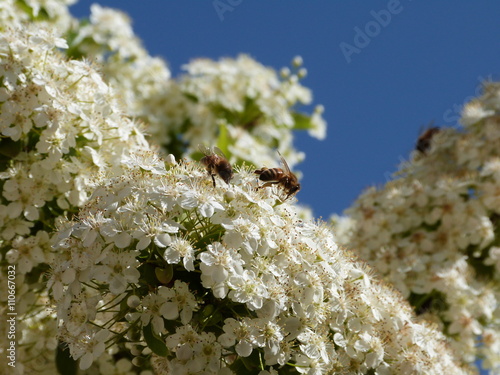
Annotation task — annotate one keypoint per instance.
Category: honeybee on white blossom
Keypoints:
(285, 178)
(216, 163)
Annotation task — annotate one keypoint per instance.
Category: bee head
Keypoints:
(293, 189)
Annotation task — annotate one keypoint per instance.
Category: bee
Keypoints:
(285, 178)
(216, 163)
(424, 140)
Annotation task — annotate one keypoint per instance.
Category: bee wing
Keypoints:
(219, 152)
(285, 164)
(204, 149)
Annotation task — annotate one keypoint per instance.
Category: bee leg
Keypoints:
(267, 184)
(213, 178)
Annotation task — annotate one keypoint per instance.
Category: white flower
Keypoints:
(216, 265)
(431, 232)
(78, 317)
(48, 41)
(118, 270)
(245, 257)
(194, 352)
(283, 291)
(152, 313)
(240, 333)
(473, 112)
(270, 337)
(242, 232)
(180, 248)
(261, 106)
(247, 288)
(310, 366)
(313, 345)
(180, 301)
(94, 347)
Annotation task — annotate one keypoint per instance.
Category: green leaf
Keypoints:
(9, 148)
(155, 343)
(223, 139)
(64, 363)
(148, 275)
(247, 366)
(302, 121)
(165, 274)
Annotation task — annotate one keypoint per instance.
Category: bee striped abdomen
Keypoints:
(224, 170)
(270, 174)
(277, 176)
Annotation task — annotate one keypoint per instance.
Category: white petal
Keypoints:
(219, 274)
(68, 276)
(90, 238)
(86, 361)
(220, 290)
(162, 240)
(117, 285)
(184, 352)
(122, 240)
(57, 290)
(31, 213)
(171, 256)
(143, 243)
(169, 310)
(207, 210)
(244, 348)
(339, 339)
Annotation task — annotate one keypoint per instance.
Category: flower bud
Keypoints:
(133, 301)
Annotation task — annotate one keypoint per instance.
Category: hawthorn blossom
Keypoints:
(304, 301)
(62, 128)
(433, 230)
(151, 263)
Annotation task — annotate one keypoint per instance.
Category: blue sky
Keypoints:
(418, 61)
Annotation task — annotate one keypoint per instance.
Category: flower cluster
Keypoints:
(194, 279)
(237, 104)
(433, 232)
(154, 269)
(252, 106)
(61, 127)
(53, 14)
(143, 82)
